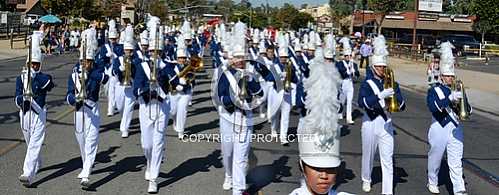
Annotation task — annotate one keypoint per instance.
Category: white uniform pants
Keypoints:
(448, 138)
(283, 115)
(178, 111)
(34, 134)
(111, 94)
(153, 120)
(87, 123)
(235, 151)
(378, 134)
(125, 101)
(347, 97)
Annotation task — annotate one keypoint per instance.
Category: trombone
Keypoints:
(389, 82)
(82, 93)
(153, 81)
(27, 89)
(287, 81)
(461, 105)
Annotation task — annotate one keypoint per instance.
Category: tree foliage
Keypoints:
(384, 7)
(487, 14)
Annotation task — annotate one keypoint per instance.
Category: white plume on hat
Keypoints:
(239, 39)
(144, 37)
(128, 42)
(347, 48)
(296, 44)
(156, 38)
(305, 41)
(186, 29)
(256, 36)
(380, 53)
(318, 41)
(112, 31)
(89, 38)
(36, 52)
(261, 47)
(330, 49)
(446, 59)
(283, 45)
(321, 123)
(181, 48)
(311, 44)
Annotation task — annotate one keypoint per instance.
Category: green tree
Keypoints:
(487, 16)
(384, 7)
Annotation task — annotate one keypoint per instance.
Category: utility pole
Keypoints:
(414, 44)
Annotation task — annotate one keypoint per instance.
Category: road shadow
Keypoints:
(191, 167)
(202, 110)
(203, 127)
(263, 175)
(344, 175)
(70, 166)
(128, 164)
(399, 175)
(200, 100)
(345, 130)
(356, 113)
(116, 125)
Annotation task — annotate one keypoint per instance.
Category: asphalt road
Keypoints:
(196, 168)
(492, 66)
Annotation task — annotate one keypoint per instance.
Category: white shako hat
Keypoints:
(128, 41)
(347, 48)
(330, 48)
(112, 30)
(296, 44)
(311, 44)
(319, 137)
(36, 52)
(156, 38)
(89, 38)
(283, 45)
(186, 30)
(256, 36)
(144, 37)
(261, 47)
(380, 53)
(446, 59)
(181, 47)
(239, 39)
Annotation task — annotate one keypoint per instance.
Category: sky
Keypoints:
(297, 3)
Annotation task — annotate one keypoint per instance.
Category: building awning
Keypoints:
(36, 9)
(428, 25)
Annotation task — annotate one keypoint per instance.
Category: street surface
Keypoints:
(196, 167)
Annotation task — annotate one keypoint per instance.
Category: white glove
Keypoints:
(386, 93)
(122, 68)
(455, 95)
(283, 76)
(182, 81)
(179, 88)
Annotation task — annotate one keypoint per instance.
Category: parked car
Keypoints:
(462, 41)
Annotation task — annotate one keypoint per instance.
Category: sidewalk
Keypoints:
(482, 88)
(7, 53)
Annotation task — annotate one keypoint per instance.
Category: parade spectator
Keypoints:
(365, 52)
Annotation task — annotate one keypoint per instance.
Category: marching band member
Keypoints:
(253, 48)
(32, 87)
(151, 86)
(180, 96)
(348, 69)
(235, 117)
(446, 131)
(83, 93)
(125, 100)
(433, 70)
(310, 44)
(377, 130)
(282, 97)
(319, 132)
(109, 53)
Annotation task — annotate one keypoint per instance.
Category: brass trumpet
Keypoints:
(389, 82)
(128, 70)
(194, 64)
(461, 105)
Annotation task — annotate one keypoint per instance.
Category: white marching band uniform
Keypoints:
(446, 131)
(377, 131)
(348, 70)
(235, 119)
(33, 112)
(87, 117)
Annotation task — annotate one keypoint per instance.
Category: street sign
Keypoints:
(430, 5)
(3, 18)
